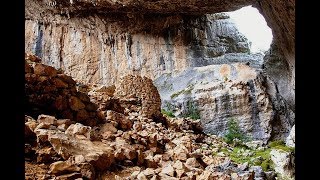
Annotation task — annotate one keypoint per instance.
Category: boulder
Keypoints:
(79, 129)
(87, 171)
(291, 139)
(97, 153)
(44, 70)
(75, 103)
(283, 163)
(121, 119)
(47, 119)
(63, 167)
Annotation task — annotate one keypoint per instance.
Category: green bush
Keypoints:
(192, 111)
(167, 113)
(234, 132)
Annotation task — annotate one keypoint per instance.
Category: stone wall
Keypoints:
(52, 92)
(141, 89)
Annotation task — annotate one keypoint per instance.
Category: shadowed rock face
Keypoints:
(142, 6)
(280, 16)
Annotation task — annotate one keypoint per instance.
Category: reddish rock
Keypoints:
(60, 103)
(67, 114)
(44, 70)
(91, 107)
(45, 155)
(140, 158)
(75, 103)
(83, 97)
(62, 167)
(192, 163)
(44, 125)
(27, 68)
(32, 125)
(64, 121)
(123, 121)
(82, 115)
(79, 129)
(97, 153)
(49, 89)
(87, 171)
(59, 83)
(67, 79)
(72, 176)
(107, 130)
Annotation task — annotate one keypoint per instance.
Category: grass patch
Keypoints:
(280, 145)
(241, 154)
(167, 113)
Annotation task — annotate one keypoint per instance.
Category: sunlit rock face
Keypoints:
(95, 50)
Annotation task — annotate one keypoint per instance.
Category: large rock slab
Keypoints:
(99, 154)
(283, 163)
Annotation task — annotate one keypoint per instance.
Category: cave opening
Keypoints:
(253, 25)
(224, 78)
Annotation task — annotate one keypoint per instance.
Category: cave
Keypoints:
(199, 61)
(155, 39)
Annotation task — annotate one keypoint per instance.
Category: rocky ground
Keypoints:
(75, 131)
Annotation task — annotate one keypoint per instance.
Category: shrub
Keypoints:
(167, 113)
(234, 132)
(192, 111)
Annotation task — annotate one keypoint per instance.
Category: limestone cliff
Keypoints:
(98, 49)
(220, 93)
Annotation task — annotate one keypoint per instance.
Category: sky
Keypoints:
(253, 25)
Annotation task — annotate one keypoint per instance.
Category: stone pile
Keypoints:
(130, 142)
(52, 92)
(71, 150)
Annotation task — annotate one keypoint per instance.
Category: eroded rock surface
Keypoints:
(218, 93)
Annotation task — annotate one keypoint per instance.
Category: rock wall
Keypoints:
(280, 16)
(102, 49)
(279, 87)
(220, 93)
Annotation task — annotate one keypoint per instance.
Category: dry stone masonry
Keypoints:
(140, 89)
(52, 92)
